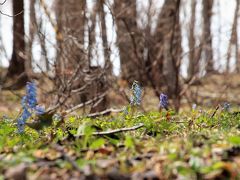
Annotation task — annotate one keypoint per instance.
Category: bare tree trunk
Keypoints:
(236, 37)
(2, 48)
(128, 40)
(233, 40)
(106, 50)
(207, 37)
(17, 76)
(74, 61)
(172, 52)
(71, 22)
(91, 32)
(102, 84)
(32, 32)
(70, 54)
(193, 63)
(17, 61)
(165, 51)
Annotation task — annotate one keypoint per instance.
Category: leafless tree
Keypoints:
(193, 66)
(129, 40)
(234, 41)
(207, 36)
(17, 62)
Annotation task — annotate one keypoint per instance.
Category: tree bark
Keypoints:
(129, 40)
(165, 51)
(17, 61)
(73, 60)
(32, 32)
(234, 41)
(106, 50)
(207, 36)
(71, 23)
(193, 63)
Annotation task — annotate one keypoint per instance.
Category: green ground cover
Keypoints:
(190, 145)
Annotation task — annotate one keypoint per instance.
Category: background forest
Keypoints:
(166, 46)
(99, 68)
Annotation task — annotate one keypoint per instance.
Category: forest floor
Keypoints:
(190, 145)
(203, 143)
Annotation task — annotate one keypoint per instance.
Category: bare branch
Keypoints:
(2, 3)
(105, 112)
(85, 103)
(115, 131)
(11, 15)
(215, 111)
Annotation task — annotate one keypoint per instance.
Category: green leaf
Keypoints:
(129, 143)
(85, 129)
(184, 171)
(112, 140)
(83, 162)
(97, 143)
(72, 119)
(234, 140)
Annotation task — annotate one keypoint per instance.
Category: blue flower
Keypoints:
(29, 105)
(20, 125)
(136, 94)
(163, 101)
(194, 106)
(26, 114)
(31, 97)
(39, 110)
(226, 106)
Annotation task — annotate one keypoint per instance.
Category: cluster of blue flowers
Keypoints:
(136, 94)
(29, 106)
(226, 106)
(163, 101)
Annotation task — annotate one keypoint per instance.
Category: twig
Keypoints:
(11, 15)
(102, 113)
(85, 103)
(115, 130)
(216, 109)
(2, 3)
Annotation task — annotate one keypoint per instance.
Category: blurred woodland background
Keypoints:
(89, 52)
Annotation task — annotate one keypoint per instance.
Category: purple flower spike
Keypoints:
(136, 94)
(20, 125)
(29, 105)
(31, 96)
(163, 101)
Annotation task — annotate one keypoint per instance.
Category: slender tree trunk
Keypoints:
(106, 50)
(17, 61)
(172, 52)
(92, 32)
(32, 32)
(233, 40)
(193, 64)
(207, 36)
(236, 37)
